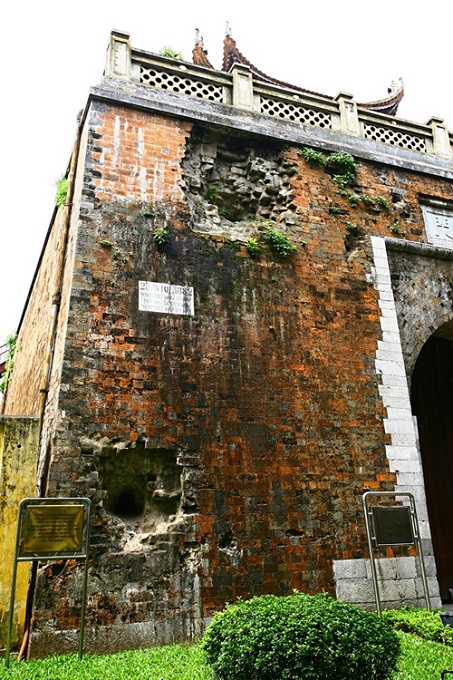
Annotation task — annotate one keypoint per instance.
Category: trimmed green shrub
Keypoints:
(421, 622)
(299, 636)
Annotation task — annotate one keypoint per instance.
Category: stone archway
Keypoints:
(432, 403)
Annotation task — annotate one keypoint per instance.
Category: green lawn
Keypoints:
(176, 662)
(420, 660)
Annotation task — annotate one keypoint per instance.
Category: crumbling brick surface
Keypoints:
(33, 340)
(265, 401)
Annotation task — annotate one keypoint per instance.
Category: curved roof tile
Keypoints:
(231, 55)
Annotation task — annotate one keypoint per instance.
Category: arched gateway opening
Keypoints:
(432, 403)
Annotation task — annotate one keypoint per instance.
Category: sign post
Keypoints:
(391, 526)
(51, 529)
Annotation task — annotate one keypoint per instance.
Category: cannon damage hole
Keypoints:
(143, 486)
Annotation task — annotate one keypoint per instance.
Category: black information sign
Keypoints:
(392, 525)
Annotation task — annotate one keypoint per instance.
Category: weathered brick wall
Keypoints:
(226, 453)
(52, 414)
(424, 297)
(33, 339)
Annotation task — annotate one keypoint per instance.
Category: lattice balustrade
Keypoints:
(398, 138)
(298, 114)
(181, 85)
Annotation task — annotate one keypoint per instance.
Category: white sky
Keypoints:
(53, 52)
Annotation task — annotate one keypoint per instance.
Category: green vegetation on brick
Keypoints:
(278, 242)
(253, 247)
(11, 348)
(62, 191)
(342, 162)
(367, 200)
(312, 156)
(345, 179)
(161, 236)
(383, 202)
(354, 200)
(300, 636)
(396, 229)
(211, 193)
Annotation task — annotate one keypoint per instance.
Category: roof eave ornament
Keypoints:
(199, 54)
(388, 105)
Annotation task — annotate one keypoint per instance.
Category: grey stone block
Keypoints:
(349, 569)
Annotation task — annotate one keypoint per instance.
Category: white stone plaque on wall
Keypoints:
(165, 298)
(438, 217)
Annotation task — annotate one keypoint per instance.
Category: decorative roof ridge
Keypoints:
(390, 104)
(231, 55)
(199, 54)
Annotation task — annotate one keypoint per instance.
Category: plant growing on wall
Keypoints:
(278, 242)
(396, 229)
(383, 202)
(62, 192)
(342, 162)
(312, 156)
(161, 236)
(119, 256)
(11, 347)
(170, 53)
(253, 247)
(354, 200)
(212, 193)
(344, 180)
(367, 200)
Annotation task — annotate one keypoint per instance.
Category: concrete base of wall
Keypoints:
(116, 638)
(399, 579)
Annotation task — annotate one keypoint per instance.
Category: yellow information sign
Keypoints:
(52, 529)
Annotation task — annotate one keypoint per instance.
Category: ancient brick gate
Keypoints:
(226, 442)
(422, 282)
